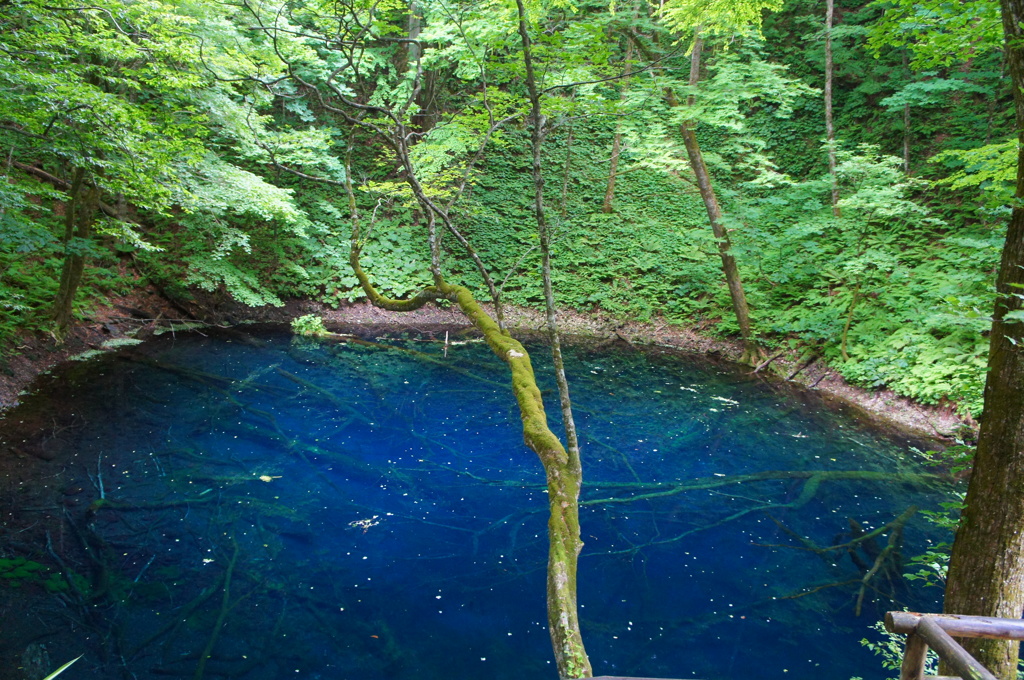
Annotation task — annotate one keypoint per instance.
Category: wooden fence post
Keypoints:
(914, 655)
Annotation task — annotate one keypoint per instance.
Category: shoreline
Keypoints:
(141, 314)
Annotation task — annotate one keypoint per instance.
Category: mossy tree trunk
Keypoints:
(986, 568)
(390, 123)
(562, 470)
(563, 467)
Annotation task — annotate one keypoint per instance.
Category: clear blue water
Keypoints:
(381, 518)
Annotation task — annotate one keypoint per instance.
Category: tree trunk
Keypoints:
(564, 470)
(426, 100)
(986, 568)
(751, 350)
(563, 484)
(906, 119)
(79, 214)
(561, 468)
(566, 169)
(906, 139)
(830, 132)
(613, 169)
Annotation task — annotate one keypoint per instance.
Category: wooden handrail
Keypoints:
(937, 631)
(959, 626)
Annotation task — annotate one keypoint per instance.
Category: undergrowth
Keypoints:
(891, 294)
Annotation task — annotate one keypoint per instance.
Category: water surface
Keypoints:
(345, 510)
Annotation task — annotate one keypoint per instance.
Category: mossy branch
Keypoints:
(376, 299)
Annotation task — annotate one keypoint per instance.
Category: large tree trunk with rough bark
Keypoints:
(751, 350)
(986, 569)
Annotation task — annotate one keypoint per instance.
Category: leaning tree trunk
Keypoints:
(79, 215)
(986, 568)
(751, 350)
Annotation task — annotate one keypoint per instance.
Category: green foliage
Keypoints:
(650, 258)
(309, 325)
(131, 98)
(907, 287)
(930, 91)
(717, 17)
(930, 567)
(207, 161)
(740, 83)
(937, 32)
(18, 572)
(992, 168)
(889, 646)
(68, 75)
(960, 106)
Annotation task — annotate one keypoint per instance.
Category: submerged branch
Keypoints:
(221, 616)
(813, 477)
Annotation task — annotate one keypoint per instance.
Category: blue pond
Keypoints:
(352, 510)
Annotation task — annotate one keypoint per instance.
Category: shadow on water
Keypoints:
(219, 505)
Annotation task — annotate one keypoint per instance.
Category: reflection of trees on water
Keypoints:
(241, 527)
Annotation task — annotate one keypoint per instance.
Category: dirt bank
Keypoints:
(143, 313)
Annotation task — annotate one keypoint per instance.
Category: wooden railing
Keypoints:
(937, 631)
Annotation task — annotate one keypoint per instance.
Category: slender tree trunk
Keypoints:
(906, 139)
(830, 131)
(751, 351)
(566, 168)
(564, 475)
(79, 214)
(414, 28)
(613, 169)
(986, 568)
(561, 467)
(906, 120)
